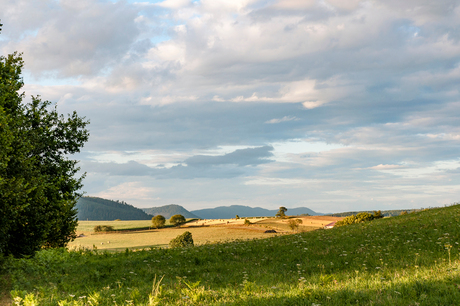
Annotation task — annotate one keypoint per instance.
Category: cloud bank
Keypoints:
(333, 105)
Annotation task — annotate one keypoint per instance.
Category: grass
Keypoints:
(404, 260)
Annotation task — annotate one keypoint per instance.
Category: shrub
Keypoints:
(247, 222)
(158, 221)
(294, 223)
(361, 217)
(184, 240)
(177, 220)
(103, 228)
(378, 214)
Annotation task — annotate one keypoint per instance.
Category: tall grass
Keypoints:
(404, 260)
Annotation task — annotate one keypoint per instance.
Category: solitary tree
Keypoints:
(38, 187)
(158, 221)
(294, 223)
(281, 212)
(177, 220)
(184, 240)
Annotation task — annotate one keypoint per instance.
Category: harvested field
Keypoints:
(161, 237)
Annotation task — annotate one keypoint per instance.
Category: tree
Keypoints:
(237, 217)
(38, 190)
(378, 214)
(158, 221)
(184, 240)
(294, 223)
(281, 212)
(177, 220)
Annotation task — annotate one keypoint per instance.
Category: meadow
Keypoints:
(403, 260)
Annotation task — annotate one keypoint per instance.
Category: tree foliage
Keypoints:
(281, 212)
(361, 217)
(177, 220)
(38, 188)
(158, 221)
(294, 223)
(184, 240)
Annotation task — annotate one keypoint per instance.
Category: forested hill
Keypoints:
(168, 211)
(92, 208)
(226, 212)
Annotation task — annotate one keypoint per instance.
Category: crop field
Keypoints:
(161, 237)
(203, 231)
(403, 260)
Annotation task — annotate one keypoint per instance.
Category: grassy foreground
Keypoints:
(404, 260)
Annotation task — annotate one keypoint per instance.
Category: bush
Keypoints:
(361, 217)
(177, 220)
(247, 222)
(184, 240)
(158, 221)
(294, 223)
(103, 228)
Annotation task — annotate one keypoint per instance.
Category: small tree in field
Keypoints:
(237, 217)
(184, 240)
(247, 222)
(177, 220)
(281, 212)
(158, 221)
(294, 223)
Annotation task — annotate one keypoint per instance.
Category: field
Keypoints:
(203, 231)
(402, 260)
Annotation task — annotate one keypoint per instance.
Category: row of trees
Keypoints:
(361, 217)
(159, 221)
(38, 187)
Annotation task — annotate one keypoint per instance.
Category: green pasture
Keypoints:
(402, 260)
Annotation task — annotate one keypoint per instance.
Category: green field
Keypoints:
(403, 260)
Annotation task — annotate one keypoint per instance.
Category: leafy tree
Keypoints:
(237, 217)
(177, 220)
(38, 190)
(247, 222)
(361, 217)
(378, 214)
(184, 240)
(158, 221)
(294, 223)
(281, 212)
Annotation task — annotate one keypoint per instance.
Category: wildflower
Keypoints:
(82, 297)
(72, 295)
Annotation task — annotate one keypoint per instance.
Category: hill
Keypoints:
(168, 211)
(93, 208)
(402, 260)
(227, 212)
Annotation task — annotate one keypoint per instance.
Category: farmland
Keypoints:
(203, 231)
(403, 260)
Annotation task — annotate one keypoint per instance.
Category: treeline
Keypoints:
(92, 208)
(385, 213)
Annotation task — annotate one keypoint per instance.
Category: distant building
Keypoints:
(330, 225)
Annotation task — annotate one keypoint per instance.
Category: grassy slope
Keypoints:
(402, 260)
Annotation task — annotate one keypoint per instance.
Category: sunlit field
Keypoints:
(403, 260)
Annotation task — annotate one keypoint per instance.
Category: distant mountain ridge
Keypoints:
(227, 212)
(168, 211)
(94, 209)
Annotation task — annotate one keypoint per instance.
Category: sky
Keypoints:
(334, 105)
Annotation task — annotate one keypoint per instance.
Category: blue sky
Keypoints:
(335, 105)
